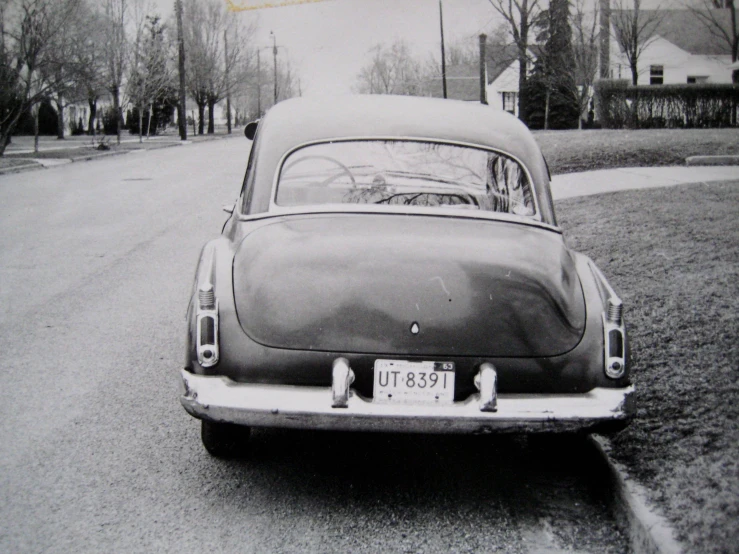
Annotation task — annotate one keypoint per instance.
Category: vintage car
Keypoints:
(394, 264)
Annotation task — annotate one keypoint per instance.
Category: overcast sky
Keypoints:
(328, 41)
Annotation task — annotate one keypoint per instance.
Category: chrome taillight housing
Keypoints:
(207, 326)
(615, 339)
(614, 333)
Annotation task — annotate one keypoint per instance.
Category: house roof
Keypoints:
(498, 60)
(687, 31)
(462, 83)
(463, 80)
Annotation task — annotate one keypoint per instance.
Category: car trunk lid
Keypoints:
(398, 285)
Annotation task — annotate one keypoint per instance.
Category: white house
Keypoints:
(683, 51)
(502, 90)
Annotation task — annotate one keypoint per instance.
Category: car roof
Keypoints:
(292, 123)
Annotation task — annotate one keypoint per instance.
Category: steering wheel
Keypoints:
(332, 178)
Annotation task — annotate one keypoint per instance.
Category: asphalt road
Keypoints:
(97, 455)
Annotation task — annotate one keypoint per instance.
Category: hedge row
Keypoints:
(622, 105)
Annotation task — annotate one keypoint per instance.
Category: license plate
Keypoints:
(398, 381)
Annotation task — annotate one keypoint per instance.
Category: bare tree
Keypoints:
(634, 30)
(62, 72)
(720, 17)
(391, 70)
(116, 48)
(197, 64)
(28, 55)
(246, 101)
(585, 39)
(462, 60)
(89, 63)
(499, 50)
(150, 75)
(520, 16)
(213, 72)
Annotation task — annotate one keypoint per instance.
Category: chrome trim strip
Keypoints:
(399, 210)
(221, 399)
(610, 293)
(273, 206)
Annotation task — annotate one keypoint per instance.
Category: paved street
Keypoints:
(96, 264)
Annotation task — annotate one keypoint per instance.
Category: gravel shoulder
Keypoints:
(673, 254)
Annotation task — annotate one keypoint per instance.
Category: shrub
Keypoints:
(109, 116)
(620, 105)
(78, 128)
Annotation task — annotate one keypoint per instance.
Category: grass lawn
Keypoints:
(673, 255)
(6, 162)
(572, 151)
(82, 146)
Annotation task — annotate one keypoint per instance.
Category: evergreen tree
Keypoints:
(551, 89)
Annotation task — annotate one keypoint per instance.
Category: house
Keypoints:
(683, 50)
(502, 89)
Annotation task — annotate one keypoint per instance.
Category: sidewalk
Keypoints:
(611, 180)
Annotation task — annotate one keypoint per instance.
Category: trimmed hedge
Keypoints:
(621, 105)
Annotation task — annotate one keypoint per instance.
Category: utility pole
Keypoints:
(228, 85)
(483, 70)
(181, 109)
(274, 54)
(259, 84)
(443, 56)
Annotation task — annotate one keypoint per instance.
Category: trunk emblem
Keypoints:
(415, 328)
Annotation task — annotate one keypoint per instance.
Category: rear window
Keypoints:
(405, 173)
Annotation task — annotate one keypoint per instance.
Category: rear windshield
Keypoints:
(405, 173)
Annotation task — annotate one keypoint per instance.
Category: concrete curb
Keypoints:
(649, 532)
(88, 157)
(712, 160)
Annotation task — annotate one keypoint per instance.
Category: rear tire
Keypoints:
(225, 440)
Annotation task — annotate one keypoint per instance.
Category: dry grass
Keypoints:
(673, 254)
(572, 151)
(14, 162)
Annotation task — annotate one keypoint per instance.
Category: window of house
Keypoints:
(693, 79)
(509, 102)
(656, 74)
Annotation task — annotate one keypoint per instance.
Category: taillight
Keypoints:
(614, 335)
(207, 326)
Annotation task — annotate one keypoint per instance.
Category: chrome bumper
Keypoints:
(221, 399)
